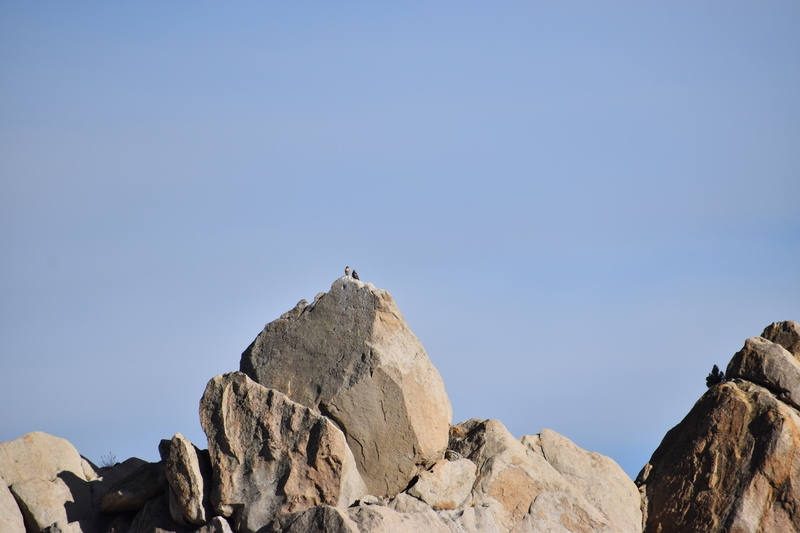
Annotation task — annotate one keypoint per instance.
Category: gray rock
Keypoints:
(11, 520)
(271, 455)
(351, 355)
(133, 491)
(188, 472)
(770, 365)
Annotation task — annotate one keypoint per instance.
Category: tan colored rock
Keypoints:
(271, 455)
(731, 465)
(446, 484)
(600, 480)
(188, 472)
(351, 355)
(48, 479)
(11, 520)
(523, 490)
(43, 504)
(787, 334)
(770, 365)
(38, 455)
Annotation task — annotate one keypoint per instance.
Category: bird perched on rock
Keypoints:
(346, 271)
(355, 274)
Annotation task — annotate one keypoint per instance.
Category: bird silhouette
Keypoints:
(346, 271)
(355, 275)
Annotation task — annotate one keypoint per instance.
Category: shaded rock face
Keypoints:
(132, 491)
(351, 356)
(731, 465)
(271, 455)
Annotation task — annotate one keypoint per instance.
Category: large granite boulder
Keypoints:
(42, 456)
(50, 482)
(769, 365)
(271, 455)
(351, 355)
(731, 465)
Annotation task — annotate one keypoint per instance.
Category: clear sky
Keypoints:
(579, 207)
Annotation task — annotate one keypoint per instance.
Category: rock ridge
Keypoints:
(338, 422)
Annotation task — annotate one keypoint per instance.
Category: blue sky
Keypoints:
(579, 207)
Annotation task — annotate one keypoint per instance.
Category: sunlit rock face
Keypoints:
(351, 355)
(271, 455)
(732, 464)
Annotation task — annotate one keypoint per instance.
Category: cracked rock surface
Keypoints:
(351, 355)
(732, 464)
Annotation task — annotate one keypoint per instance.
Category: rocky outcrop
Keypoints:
(596, 477)
(731, 465)
(339, 423)
(271, 455)
(544, 481)
(351, 356)
(188, 472)
(510, 486)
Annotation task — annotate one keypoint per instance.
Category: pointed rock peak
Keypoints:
(351, 355)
